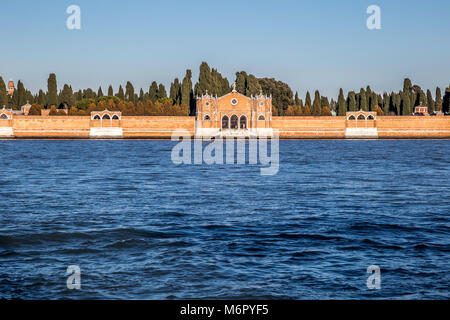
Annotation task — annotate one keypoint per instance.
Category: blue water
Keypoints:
(140, 227)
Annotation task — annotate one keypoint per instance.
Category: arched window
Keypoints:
(361, 117)
(225, 122)
(262, 118)
(207, 117)
(352, 117)
(115, 117)
(370, 117)
(106, 117)
(243, 122)
(234, 123)
(4, 116)
(97, 117)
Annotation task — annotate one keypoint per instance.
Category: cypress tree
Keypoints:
(351, 101)
(430, 101)
(405, 104)
(41, 99)
(153, 92)
(175, 91)
(186, 90)
(342, 104)
(296, 99)
(129, 92)
(66, 97)
(52, 91)
(241, 81)
(21, 94)
(369, 97)
(316, 108)
(446, 101)
(362, 100)
(141, 95)
(100, 92)
(3, 95)
(386, 100)
(438, 103)
(308, 99)
(205, 80)
(121, 94)
(162, 94)
(110, 91)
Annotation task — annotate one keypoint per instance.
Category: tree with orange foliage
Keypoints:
(378, 111)
(289, 112)
(306, 111)
(298, 111)
(326, 111)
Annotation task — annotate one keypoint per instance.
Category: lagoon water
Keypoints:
(140, 227)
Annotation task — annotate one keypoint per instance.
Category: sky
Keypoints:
(321, 44)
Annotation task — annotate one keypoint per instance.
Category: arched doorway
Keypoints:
(97, 117)
(115, 117)
(243, 122)
(225, 122)
(106, 117)
(234, 122)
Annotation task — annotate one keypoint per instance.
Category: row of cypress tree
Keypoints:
(212, 82)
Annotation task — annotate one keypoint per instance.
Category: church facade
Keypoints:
(234, 115)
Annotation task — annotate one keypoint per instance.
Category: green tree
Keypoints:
(438, 103)
(282, 95)
(129, 92)
(52, 90)
(446, 102)
(351, 101)
(241, 78)
(41, 99)
(66, 97)
(3, 95)
(100, 92)
(110, 91)
(252, 86)
(21, 94)
(162, 94)
(342, 104)
(175, 91)
(316, 107)
(121, 94)
(205, 81)
(153, 92)
(363, 100)
(187, 95)
(430, 101)
(308, 99)
(405, 104)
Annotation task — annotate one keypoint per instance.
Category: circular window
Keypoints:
(207, 104)
(261, 104)
(234, 101)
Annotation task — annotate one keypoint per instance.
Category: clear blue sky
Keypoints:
(322, 44)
